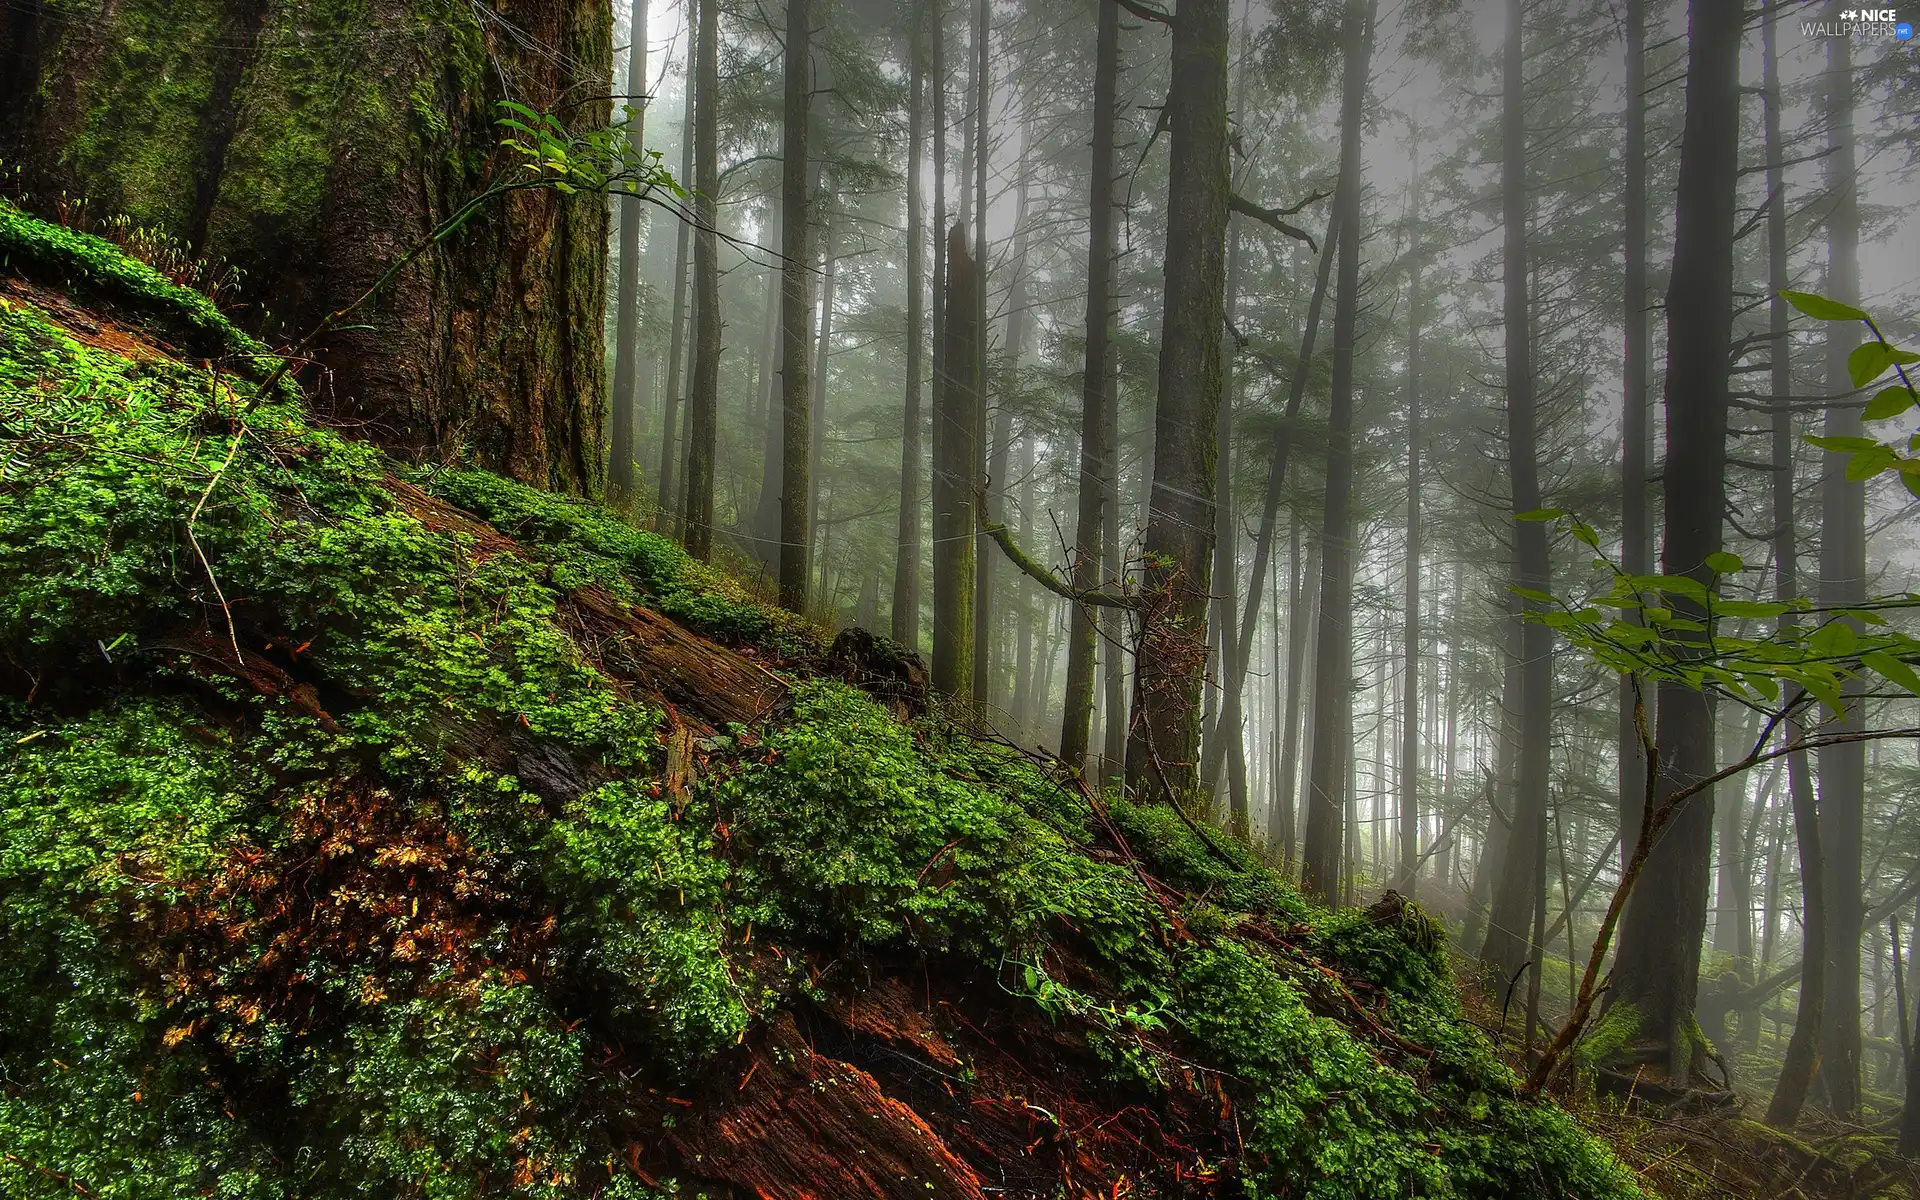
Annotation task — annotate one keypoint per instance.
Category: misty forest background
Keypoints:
(1375, 648)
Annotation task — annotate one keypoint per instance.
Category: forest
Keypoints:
(959, 598)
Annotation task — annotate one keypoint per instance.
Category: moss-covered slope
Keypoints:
(493, 847)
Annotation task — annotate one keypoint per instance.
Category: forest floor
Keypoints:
(1686, 1153)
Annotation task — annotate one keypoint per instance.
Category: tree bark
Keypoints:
(1095, 398)
(1327, 794)
(1843, 581)
(1519, 886)
(703, 400)
(984, 559)
(1164, 741)
(816, 443)
(275, 147)
(1410, 633)
(1635, 550)
(905, 624)
(625, 400)
(1658, 966)
(796, 315)
(955, 472)
(670, 416)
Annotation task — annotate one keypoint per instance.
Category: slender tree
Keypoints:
(670, 415)
(1518, 887)
(905, 624)
(984, 561)
(1797, 1065)
(624, 403)
(796, 314)
(1635, 546)
(1658, 966)
(1328, 794)
(955, 473)
(703, 400)
(1095, 395)
(1843, 581)
(1164, 740)
(1409, 763)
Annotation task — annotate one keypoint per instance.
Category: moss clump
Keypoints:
(413, 897)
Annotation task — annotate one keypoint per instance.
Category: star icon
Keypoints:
(1847, 15)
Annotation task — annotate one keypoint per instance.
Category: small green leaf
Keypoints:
(1722, 563)
(1843, 445)
(1913, 483)
(1822, 309)
(1869, 463)
(1888, 402)
(1892, 668)
(1584, 532)
(1870, 360)
(1833, 639)
(1534, 594)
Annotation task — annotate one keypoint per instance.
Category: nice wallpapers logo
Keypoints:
(1865, 24)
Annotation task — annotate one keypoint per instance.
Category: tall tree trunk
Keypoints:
(984, 558)
(1410, 635)
(1843, 581)
(1095, 397)
(1636, 555)
(1164, 741)
(816, 443)
(955, 471)
(766, 510)
(1657, 970)
(703, 400)
(670, 417)
(906, 555)
(1001, 452)
(280, 147)
(1301, 588)
(796, 315)
(625, 400)
(1113, 623)
(1519, 887)
(1327, 795)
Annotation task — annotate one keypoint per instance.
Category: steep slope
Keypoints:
(373, 831)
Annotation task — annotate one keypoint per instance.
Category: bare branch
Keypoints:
(1272, 216)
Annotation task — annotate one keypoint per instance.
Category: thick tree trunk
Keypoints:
(1330, 752)
(703, 397)
(905, 624)
(955, 472)
(276, 147)
(624, 403)
(1164, 741)
(796, 313)
(1658, 967)
(1095, 396)
(1843, 581)
(1635, 546)
(1519, 886)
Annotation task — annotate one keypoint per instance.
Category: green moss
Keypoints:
(183, 1030)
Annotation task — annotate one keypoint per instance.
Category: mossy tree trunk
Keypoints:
(308, 146)
(1164, 739)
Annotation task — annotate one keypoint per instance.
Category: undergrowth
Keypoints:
(429, 916)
